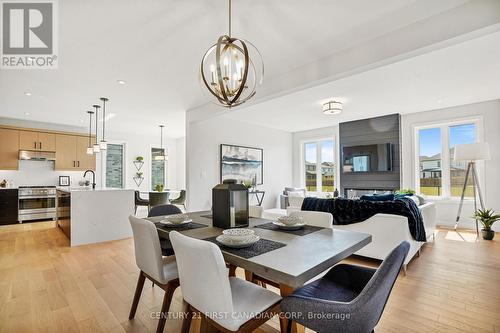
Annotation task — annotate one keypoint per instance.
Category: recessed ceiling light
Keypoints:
(27, 113)
(120, 82)
(27, 93)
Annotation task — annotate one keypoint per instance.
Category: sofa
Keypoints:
(387, 231)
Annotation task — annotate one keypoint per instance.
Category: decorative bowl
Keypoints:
(229, 242)
(177, 218)
(240, 235)
(290, 220)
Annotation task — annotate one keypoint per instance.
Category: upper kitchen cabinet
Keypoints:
(9, 149)
(32, 140)
(71, 153)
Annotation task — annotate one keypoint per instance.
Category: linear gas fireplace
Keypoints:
(352, 193)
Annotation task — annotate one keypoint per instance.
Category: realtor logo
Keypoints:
(29, 34)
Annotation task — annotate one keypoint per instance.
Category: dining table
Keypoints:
(293, 258)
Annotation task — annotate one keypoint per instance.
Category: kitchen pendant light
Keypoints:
(161, 157)
(90, 149)
(231, 69)
(103, 144)
(96, 147)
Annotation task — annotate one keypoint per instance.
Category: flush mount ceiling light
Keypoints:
(231, 69)
(332, 107)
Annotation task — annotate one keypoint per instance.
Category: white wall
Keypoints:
(489, 112)
(203, 170)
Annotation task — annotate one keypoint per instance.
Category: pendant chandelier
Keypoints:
(231, 69)
(96, 147)
(103, 145)
(161, 157)
(90, 149)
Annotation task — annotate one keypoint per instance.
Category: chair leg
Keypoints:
(289, 326)
(167, 299)
(135, 210)
(188, 316)
(137, 295)
(404, 269)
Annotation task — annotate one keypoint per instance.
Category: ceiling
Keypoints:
(465, 73)
(156, 47)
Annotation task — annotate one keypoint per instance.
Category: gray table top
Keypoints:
(303, 257)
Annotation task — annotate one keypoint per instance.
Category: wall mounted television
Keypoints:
(367, 158)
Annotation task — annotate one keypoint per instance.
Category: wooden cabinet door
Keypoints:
(65, 152)
(46, 141)
(84, 161)
(28, 140)
(9, 149)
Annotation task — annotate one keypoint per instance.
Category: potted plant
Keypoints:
(139, 158)
(159, 188)
(138, 174)
(487, 217)
(405, 191)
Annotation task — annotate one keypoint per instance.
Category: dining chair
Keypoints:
(227, 304)
(353, 296)
(139, 201)
(158, 198)
(317, 219)
(162, 271)
(180, 200)
(163, 210)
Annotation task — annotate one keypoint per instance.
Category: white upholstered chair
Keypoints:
(207, 289)
(162, 271)
(318, 219)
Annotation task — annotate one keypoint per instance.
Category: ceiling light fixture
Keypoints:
(27, 93)
(161, 157)
(332, 107)
(121, 81)
(103, 144)
(27, 113)
(90, 149)
(231, 69)
(96, 147)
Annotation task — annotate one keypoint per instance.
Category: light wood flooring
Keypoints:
(46, 286)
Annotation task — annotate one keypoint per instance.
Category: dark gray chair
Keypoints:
(180, 200)
(348, 298)
(140, 201)
(166, 246)
(158, 198)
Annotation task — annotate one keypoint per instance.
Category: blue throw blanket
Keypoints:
(347, 211)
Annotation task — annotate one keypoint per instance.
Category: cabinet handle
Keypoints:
(40, 145)
(78, 163)
(74, 164)
(35, 144)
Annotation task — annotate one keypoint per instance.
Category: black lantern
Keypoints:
(230, 205)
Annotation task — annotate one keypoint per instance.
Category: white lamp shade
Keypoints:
(472, 152)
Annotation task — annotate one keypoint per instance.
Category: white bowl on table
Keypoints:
(238, 235)
(290, 220)
(177, 218)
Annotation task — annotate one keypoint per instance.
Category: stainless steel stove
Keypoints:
(37, 203)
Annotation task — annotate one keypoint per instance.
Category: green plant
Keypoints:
(159, 188)
(487, 217)
(139, 158)
(406, 191)
(247, 183)
(139, 174)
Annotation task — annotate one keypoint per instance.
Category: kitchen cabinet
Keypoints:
(9, 149)
(8, 206)
(33, 140)
(71, 153)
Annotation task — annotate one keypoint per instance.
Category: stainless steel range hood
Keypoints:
(37, 155)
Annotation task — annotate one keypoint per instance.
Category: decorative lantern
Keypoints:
(230, 205)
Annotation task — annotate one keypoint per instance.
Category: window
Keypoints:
(114, 166)
(158, 169)
(319, 155)
(438, 174)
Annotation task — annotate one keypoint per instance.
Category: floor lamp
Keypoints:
(471, 153)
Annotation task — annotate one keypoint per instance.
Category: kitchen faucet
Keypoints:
(93, 177)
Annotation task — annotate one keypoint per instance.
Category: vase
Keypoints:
(488, 234)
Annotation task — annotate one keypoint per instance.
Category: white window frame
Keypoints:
(104, 159)
(165, 173)
(318, 140)
(445, 153)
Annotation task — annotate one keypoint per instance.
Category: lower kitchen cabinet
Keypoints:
(9, 201)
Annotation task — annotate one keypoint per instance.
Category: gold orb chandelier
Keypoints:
(232, 69)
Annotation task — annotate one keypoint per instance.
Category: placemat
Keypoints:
(300, 232)
(208, 216)
(260, 247)
(190, 225)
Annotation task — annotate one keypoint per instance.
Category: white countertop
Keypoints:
(89, 189)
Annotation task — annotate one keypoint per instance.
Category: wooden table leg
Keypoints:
(205, 326)
(232, 270)
(296, 328)
(248, 276)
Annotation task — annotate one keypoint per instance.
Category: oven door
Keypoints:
(35, 208)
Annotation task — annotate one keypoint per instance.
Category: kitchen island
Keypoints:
(88, 216)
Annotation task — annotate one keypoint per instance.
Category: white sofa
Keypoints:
(387, 231)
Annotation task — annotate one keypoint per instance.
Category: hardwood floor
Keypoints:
(46, 286)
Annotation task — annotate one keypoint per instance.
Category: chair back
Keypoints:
(317, 219)
(137, 196)
(158, 198)
(373, 298)
(164, 210)
(181, 199)
(147, 248)
(202, 273)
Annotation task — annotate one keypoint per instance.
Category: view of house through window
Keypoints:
(157, 168)
(319, 155)
(433, 165)
(114, 166)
